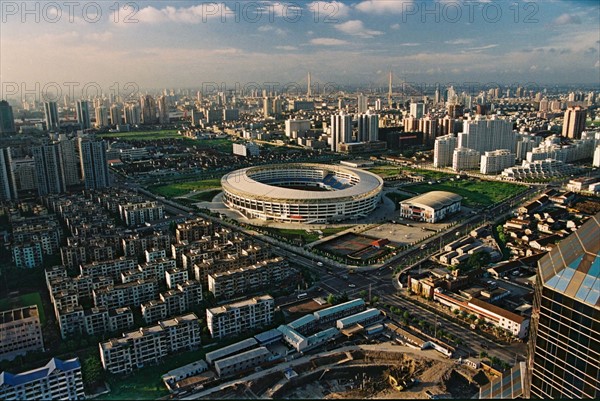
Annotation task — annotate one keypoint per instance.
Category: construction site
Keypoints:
(379, 371)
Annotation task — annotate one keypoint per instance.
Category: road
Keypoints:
(338, 280)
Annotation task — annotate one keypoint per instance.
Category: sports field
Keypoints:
(353, 246)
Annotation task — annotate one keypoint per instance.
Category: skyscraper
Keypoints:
(94, 164)
(69, 160)
(49, 169)
(7, 119)
(115, 115)
(51, 112)
(267, 107)
(574, 122)
(8, 186)
(362, 104)
(483, 135)
(83, 114)
(341, 130)
(443, 150)
(564, 341)
(132, 114)
(417, 110)
(163, 110)
(101, 117)
(368, 127)
(148, 106)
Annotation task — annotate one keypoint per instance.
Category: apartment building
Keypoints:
(98, 320)
(249, 279)
(173, 302)
(27, 255)
(176, 276)
(129, 294)
(136, 214)
(110, 268)
(148, 345)
(20, 332)
(57, 380)
(494, 162)
(235, 318)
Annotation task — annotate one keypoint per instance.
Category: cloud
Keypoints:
(410, 44)
(459, 42)
(395, 27)
(480, 48)
(286, 48)
(357, 28)
(329, 11)
(269, 28)
(383, 6)
(567, 19)
(100, 37)
(328, 42)
(186, 15)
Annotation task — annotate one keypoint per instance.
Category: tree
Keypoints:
(92, 371)
(406, 315)
(483, 354)
(331, 299)
(363, 293)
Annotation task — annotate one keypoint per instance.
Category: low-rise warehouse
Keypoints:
(241, 362)
(430, 207)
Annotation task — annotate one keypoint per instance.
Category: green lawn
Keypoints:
(183, 188)
(474, 193)
(205, 196)
(144, 135)
(32, 298)
(391, 171)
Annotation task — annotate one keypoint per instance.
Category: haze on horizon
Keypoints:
(183, 44)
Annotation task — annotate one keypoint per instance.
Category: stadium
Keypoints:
(302, 192)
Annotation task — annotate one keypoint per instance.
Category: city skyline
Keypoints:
(185, 44)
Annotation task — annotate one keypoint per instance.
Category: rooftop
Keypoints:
(435, 199)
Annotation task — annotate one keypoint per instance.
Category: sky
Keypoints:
(177, 44)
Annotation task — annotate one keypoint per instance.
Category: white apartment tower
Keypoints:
(443, 150)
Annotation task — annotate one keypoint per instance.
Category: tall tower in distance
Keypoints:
(574, 122)
(390, 91)
(51, 113)
(564, 340)
(309, 89)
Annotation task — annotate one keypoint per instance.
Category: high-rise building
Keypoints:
(7, 119)
(49, 169)
(163, 110)
(115, 115)
(8, 185)
(297, 128)
(495, 161)
(83, 114)
(101, 117)
(574, 122)
(362, 104)
(132, 114)
(483, 135)
(51, 113)
(368, 127)
(417, 110)
(564, 340)
(69, 160)
(465, 159)
(94, 164)
(443, 149)
(341, 130)
(148, 106)
(267, 107)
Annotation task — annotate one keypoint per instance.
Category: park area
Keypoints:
(183, 188)
(143, 135)
(475, 193)
(21, 301)
(298, 234)
(393, 171)
(352, 246)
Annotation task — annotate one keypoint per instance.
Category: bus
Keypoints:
(303, 295)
